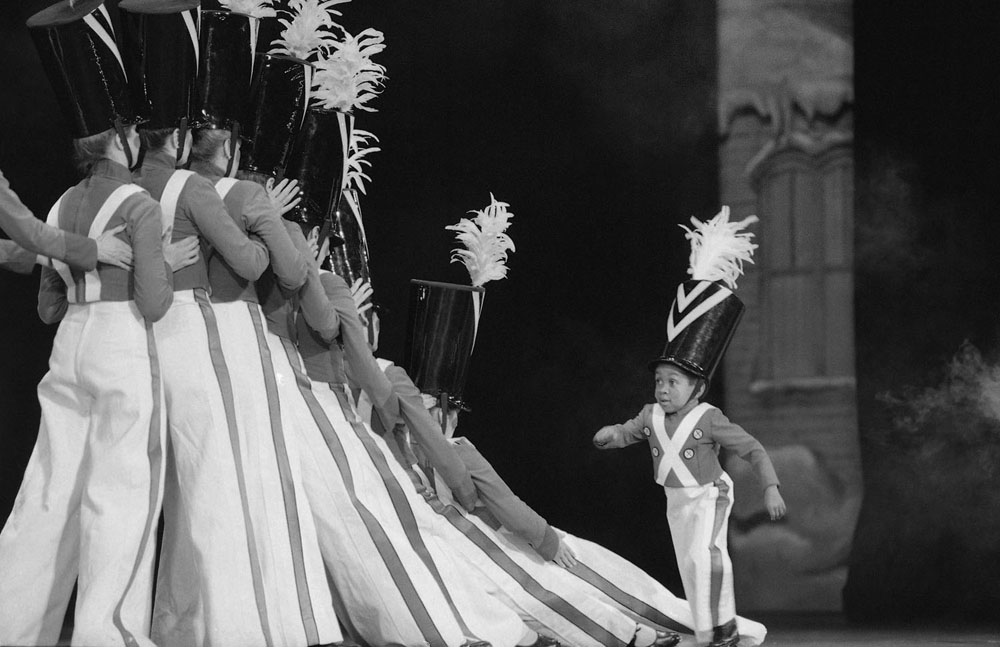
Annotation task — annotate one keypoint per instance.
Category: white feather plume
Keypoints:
(309, 28)
(346, 78)
(719, 248)
(356, 162)
(254, 8)
(486, 244)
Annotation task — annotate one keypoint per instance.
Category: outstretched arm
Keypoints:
(39, 238)
(618, 436)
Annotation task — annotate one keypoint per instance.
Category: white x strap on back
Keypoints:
(92, 280)
(672, 460)
(62, 268)
(223, 186)
(171, 194)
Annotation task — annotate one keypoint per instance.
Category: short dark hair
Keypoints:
(207, 142)
(155, 139)
(87, 151)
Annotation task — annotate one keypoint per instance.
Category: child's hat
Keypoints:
(706, 311)
(161, 54)
(79, 49)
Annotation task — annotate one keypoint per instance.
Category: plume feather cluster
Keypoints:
(309, 28)
(346, 78)
(254, 8)
(719, 248)
(356, 162)
(486, 244)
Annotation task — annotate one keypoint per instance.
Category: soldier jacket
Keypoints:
(686, 454)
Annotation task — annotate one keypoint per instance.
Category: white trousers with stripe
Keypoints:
(241, 564)
(394, 584)
(90, 498)
(699, 525)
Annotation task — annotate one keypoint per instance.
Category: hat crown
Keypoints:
(702, 320)
(161, 51)
(79, 50)
(225, 63)
(442, 326)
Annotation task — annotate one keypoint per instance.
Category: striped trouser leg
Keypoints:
(123, 484)
(699, 522)
(390, 593)
(210, 589)
(39, 545)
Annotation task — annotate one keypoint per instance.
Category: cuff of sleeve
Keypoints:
(550, 544)
(466, 496)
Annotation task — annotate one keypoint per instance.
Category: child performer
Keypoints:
(685, 435)
(90, 499)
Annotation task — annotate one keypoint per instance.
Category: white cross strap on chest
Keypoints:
(672, 460)
(224, 185)
(92, 280)
(171, 194)
(53, 221)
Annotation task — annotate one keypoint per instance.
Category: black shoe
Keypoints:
(476, 643)
(666, 639)
(725, 635)
(545, 641)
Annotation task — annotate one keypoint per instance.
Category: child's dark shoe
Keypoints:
(476, 643)
(725, 635)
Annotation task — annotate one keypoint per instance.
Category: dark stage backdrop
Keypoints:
(928, 310)
(594, 120)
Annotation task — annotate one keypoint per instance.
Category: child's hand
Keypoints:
(774, 503)
(565, 556)
(605, 436)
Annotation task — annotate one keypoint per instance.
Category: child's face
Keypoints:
(673, 387)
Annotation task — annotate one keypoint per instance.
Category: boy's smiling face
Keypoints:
(673, 387)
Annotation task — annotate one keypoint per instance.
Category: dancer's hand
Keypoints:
(313, 241)
(362, 292)
(112, 251)
(774, 503)
(285, 195)
(565, 556)
(182, 253)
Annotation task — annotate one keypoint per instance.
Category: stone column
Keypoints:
(785, 124)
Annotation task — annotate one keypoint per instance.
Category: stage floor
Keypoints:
(819, 630)
(832, 630)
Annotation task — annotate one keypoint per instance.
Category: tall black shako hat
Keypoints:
(444, 317)
(442, 326)
(225, 65)
(348, 256)
(706, 311)
(80, 54)
(279, 97)
(161, 52)
(318, 160)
